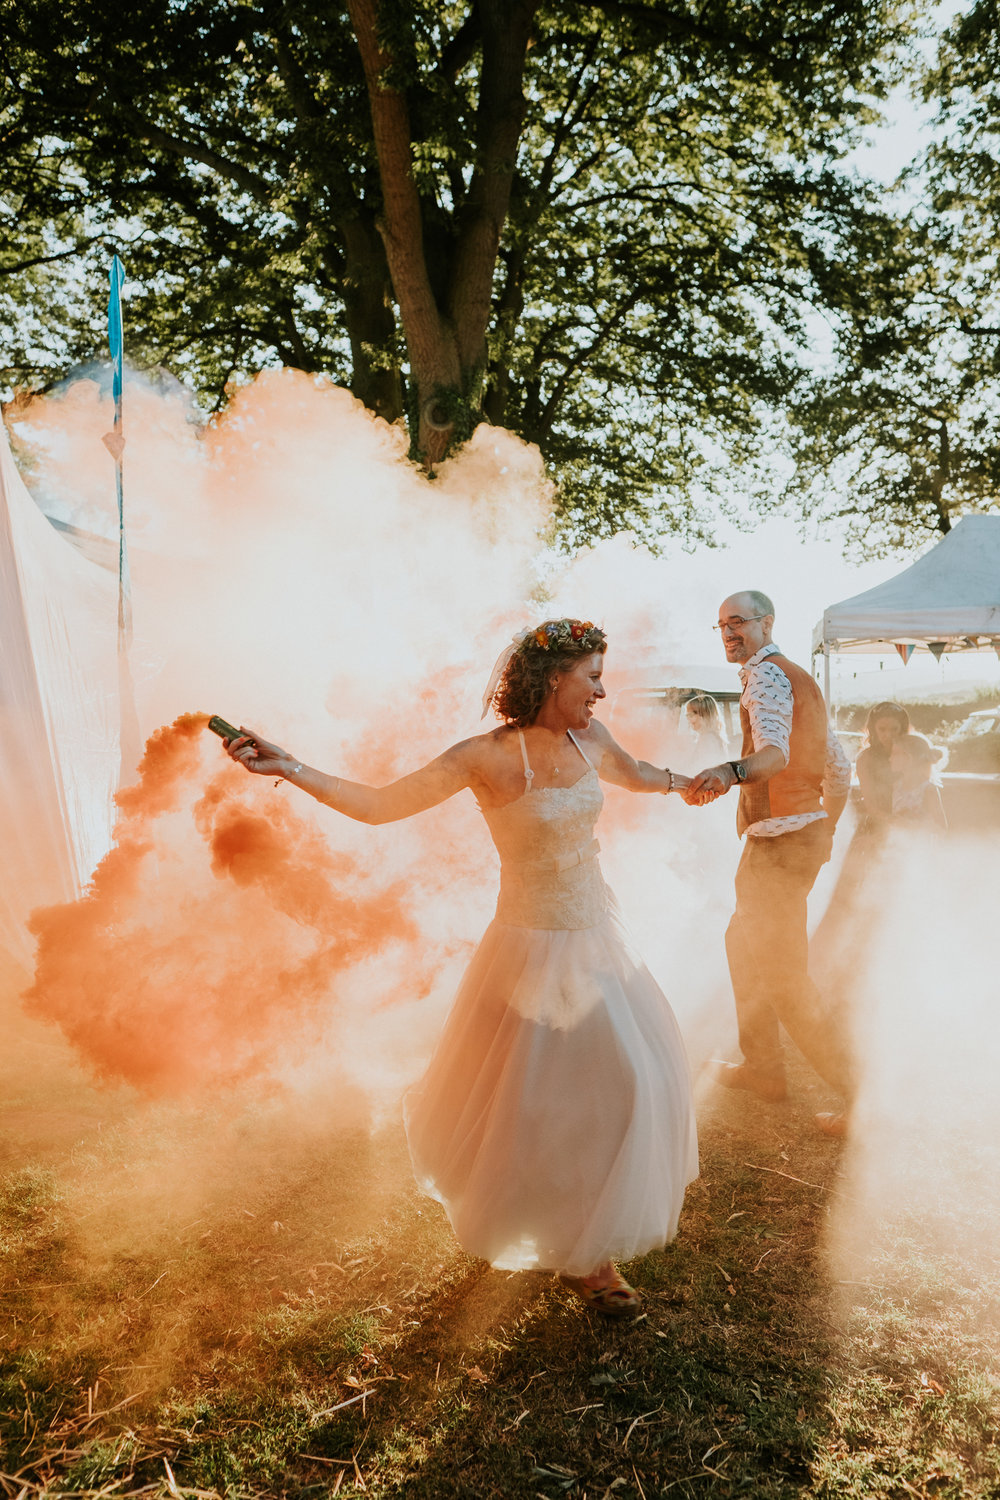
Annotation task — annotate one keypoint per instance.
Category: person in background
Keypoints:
(705, 723)
(899, 790)
(886, 722)
(793, 779)
(916, 791)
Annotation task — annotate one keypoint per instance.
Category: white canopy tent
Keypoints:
(948, 600)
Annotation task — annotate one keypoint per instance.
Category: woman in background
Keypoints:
(898, 791)
(895, 775)
(705, 722)
(554, 1121)
(885, 724)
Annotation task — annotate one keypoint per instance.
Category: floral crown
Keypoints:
(554, 635)
(564, 635)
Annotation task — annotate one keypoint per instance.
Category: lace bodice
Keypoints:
(549, 874)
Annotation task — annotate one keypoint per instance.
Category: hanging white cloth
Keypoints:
(59, 711)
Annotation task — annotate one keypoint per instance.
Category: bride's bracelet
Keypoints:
(671, 775)
(299, 766)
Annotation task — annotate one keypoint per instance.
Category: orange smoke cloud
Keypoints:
(295, 571)
(202, 961)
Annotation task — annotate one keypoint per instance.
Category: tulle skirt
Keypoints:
(554, 1122)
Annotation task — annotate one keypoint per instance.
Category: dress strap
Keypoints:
(582, 751)
(529, 774)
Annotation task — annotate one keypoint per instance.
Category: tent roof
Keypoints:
(951, 594)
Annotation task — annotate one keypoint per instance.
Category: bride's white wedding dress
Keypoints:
(554, 1121)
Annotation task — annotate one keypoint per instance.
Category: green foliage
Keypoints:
(964, 164)
(36, 1383)
(675, 209)
(907, 423)
(903, 434)
(100, 1462)
(29, 1201)
(26, 1197)
(665, 246)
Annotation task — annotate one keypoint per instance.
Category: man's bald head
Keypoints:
(745, 621)
(749, 602)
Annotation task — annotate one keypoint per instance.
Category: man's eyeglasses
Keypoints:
(736, 622)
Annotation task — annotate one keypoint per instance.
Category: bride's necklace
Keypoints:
(557, 770)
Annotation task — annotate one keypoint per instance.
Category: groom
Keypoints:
(793, 779)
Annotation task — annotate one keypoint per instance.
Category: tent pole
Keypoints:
(130, 739)
(826, 674)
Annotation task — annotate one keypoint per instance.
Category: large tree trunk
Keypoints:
(446, 339)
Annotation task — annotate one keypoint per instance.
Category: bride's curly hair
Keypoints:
(554, 646)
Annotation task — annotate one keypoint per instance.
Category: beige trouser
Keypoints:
(768, 951)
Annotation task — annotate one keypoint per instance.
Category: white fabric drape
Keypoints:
(59, 711)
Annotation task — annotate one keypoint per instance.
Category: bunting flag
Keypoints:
(114, 441)
(937, 649)
(905, 651)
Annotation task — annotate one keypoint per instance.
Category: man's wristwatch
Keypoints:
(739, 770)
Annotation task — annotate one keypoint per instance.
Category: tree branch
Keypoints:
(402, 225)
(576, 107)
(461, 47)
(257, 187)
(46, 260)
(506, 27)
(547, 413)
(672, 25)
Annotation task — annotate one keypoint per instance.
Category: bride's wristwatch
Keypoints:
(739, 770)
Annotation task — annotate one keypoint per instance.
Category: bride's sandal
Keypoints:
(615, 1299)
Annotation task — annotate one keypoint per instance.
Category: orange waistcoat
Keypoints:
(797, 788)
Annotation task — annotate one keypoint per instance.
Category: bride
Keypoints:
(554, 1121)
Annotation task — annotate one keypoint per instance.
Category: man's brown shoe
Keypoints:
(740, 1076)
(831, 1124)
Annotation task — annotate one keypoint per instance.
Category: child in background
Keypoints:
(916, 790)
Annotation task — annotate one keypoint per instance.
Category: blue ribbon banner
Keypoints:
(130, 739)
(115, 443)
(116, 335)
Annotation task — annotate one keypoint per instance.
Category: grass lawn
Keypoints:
(196, 1304)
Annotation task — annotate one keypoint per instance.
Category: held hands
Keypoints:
(257, 755)
(710, 784)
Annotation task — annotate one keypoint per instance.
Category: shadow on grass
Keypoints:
(719, 1388)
